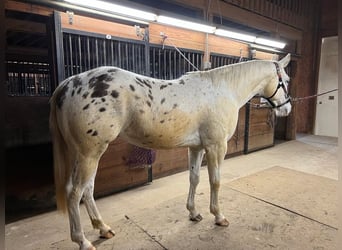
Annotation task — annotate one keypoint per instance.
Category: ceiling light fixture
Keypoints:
(186, 24)
(115, 8)
(270, 43)
(235, 35)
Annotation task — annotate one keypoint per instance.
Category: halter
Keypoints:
(280, 85)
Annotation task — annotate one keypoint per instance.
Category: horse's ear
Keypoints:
(285, 61)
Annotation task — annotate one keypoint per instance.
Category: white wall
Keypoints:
(326, 122)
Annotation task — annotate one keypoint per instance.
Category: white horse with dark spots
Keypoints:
(199, 111)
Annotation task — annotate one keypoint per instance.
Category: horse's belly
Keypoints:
(153, 135)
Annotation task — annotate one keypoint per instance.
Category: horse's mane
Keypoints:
(233, 72)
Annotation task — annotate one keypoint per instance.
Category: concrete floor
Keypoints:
(282, 197)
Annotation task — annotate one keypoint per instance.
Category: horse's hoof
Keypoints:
(91, 247)
(223, 222)
(107, 234)
(196, 218)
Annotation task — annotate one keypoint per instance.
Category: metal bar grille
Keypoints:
(28, 79)
(221, 60)
(167, 63)
(83, 52)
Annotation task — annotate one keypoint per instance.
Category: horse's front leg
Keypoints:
(215, 156)
(195, 160)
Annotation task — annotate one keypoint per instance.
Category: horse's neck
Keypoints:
(245, 80)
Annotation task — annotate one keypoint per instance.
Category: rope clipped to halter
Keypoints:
(289, 98)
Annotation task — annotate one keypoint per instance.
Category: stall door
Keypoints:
(326, 123)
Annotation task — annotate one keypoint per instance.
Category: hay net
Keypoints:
(141, 157)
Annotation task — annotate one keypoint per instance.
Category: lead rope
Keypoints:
(164, 37)
(294, 99)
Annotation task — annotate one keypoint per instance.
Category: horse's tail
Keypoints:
(61, 160)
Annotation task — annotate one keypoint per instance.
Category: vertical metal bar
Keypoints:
(71, 56)
(81, 59)
(133, 57)
(104, 55)
(170, 66)
(58, 52)
(247, 118)
(175, 69)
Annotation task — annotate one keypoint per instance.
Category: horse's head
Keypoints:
(276, 91)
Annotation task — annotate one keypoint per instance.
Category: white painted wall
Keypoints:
(326, 122)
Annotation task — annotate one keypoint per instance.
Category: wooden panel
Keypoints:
(226, 46)
(265, 56)
(261, 128)
(170, 162)
(29, 8)
(99, 26)
(113, 174)
(237, 142)
(179, 37)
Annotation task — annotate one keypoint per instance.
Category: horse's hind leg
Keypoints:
(82, 174)
(93, 212)
(195, 160)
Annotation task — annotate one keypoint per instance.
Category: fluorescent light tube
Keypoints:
(185, 24)
(115, 8)
(235, 35)
(270, 43)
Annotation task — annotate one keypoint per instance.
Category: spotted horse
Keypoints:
(198, 110)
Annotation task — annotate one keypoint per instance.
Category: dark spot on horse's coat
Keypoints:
(132, 87)
(170, 83)
(162, 101)
(181, 82)
(100, 89)
(61, 96)
(89, 131)
(165, 113)
(86, 107)
(146, 82)
(94, 133)
(175, 105)
(111, 70)
(114, 94)
(73, 92)
(106, 141)
(148, 103)
(85, 95)
(79, 90)
(77, 81)
(163, 86)
(147, 135)
(150, 91)
(141, 82)
(103, 99)
(102, 109)
(160, 135)
(104, 78)
(111, 125)
(136, 97)
(162, 121)
(151, 97)
(141, 111)
(92, 101)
